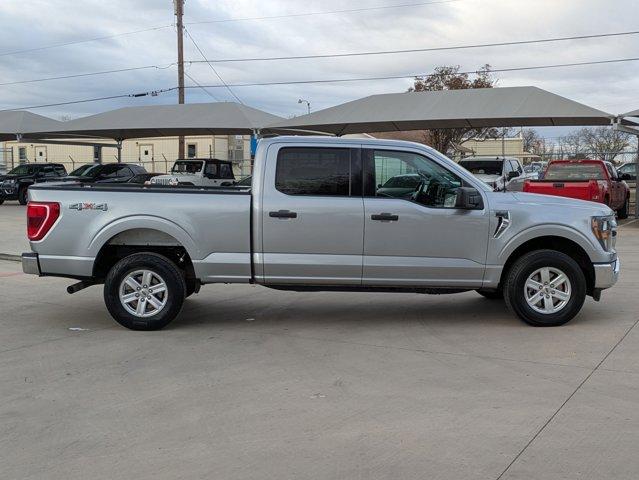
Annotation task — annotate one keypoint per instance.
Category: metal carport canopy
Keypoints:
(15, 123)
(482, 107)
(221, 118)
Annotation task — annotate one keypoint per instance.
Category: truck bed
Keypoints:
(213, 224)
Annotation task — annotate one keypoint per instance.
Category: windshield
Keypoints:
(482, 167)
(84, 170)
(403, 181)
(22, 170)
(188, 167)
(575, 171)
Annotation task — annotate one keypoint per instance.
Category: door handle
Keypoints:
(282, 214)
(385, 217)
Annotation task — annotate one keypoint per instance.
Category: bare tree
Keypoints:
(531, 140)
(449, 78)
(572, 146)
(604, 143)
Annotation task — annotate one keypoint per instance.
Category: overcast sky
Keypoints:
(26, 24)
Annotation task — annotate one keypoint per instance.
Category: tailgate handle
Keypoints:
(282, 214)
(558, 185)
(385, 217)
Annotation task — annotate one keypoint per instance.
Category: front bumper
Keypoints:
(606, 274)
(30, 263)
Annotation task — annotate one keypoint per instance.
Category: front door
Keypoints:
(146, 155)
(313, 216)
(40, 153)
(419, 238)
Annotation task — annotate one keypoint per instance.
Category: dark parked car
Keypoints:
(400, 186)
(15, 184)
(110, 173)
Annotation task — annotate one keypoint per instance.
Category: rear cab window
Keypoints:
(316, 171)
(575, 171)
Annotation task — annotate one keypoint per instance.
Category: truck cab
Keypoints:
(199, 172)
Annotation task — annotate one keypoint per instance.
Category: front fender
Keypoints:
(551, 230)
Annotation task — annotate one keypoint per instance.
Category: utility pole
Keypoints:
(179, 12)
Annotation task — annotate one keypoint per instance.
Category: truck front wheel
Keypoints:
(545, 288)
(23, 196)
(144, 291)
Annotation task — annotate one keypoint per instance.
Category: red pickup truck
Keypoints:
(594, 180)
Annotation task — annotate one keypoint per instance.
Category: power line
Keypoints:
(396, 77)
(96, 99)
(385, 52)
(337, 80)
(203, 88)
(419, 50)
(89, 74)
(76, 42)
(188, 34)
(330, 12)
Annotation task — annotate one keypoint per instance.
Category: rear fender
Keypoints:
(138, 222)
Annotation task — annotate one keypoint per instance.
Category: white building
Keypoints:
(155, 154)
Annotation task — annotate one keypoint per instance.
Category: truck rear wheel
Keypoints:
(622, 213)
(144, 291)
(545, 288)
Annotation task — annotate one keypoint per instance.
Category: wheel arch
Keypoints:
(558, 243)
(115, 242)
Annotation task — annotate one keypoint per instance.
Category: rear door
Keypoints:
(422, 240)
(312, 216)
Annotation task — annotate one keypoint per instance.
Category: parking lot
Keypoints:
(254, 383)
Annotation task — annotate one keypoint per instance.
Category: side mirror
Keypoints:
(379, 185)
(468, 198)
(226, 184)
(512, 174)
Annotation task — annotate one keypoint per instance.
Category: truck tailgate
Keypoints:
(588, 190)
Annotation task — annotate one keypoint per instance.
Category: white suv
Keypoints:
(208, 172)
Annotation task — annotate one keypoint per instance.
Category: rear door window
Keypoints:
(313, 171)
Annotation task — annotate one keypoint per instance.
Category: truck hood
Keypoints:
(534, 199)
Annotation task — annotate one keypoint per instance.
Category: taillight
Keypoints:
(40, 218)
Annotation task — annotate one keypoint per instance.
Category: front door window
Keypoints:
(411, 176)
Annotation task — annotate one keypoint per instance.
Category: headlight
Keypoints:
(605, 230)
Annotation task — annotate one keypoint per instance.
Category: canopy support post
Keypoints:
(119, 147)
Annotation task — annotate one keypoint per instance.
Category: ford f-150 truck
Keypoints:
(315, 219)
(593, 180)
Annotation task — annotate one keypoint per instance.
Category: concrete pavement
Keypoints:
(13, 229)
(256, 384)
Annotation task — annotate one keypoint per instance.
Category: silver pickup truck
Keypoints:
(315, 219)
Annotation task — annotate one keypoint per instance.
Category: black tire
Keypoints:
(1, 200)
(159, 265)
(516, 277)
(23, 195)
(622, 213)
(492, 294)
